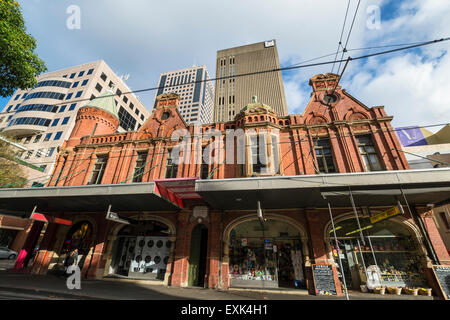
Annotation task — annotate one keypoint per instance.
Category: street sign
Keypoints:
(385, 214)
(260, 212)
(115, 217)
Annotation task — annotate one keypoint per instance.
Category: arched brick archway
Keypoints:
(397, 235)
(108, 255)
(251, 217)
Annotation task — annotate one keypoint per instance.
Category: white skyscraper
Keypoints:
(196, 93)
(41, 118)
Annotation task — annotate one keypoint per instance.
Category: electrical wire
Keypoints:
(262, 71)
(290, 141)
(359, 49)
(342, 33)
(348, 36)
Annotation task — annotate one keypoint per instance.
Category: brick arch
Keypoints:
(113, 237)
(89, 219)
(172, 229)
(355, 115)
(270, 216)
(316, 120)
(406, 223)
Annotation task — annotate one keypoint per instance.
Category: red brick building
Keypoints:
(196, 223)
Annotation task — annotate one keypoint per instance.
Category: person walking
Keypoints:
(72, 259)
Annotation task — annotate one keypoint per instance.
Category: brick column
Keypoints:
(170, 263)
(92, 263)
(315, 224)
(426, 214)
(214, 236)
(29, 245)
(181, 263)
(45, 251)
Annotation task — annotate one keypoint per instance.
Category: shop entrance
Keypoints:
(266, 255)
(141, 251)
(79, 237)
(388, 246)
(197, 256)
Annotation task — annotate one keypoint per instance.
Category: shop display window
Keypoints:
(387, 244)
(266, 255)
(142, 251)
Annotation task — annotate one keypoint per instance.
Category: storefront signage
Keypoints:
(115, 217)
(244, 242)
(323, 276)
(442, 274)
(385, 214)
(259, 212)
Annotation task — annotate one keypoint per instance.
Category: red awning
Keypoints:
(177, 190)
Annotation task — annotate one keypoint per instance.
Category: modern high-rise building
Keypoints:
(41, 118)
(196, 93)
(233, 93)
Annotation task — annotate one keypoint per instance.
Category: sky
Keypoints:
(145, 38)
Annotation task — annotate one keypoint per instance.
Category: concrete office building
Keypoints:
(196, 99)
(41, 118)
(234, 92)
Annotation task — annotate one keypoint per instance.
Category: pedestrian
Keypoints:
(71, 259)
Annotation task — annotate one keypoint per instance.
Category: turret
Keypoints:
(98, 117)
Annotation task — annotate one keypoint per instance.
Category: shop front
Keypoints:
(387, 253)
(266, 255)
(141, 251)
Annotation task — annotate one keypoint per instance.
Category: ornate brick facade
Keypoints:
(332, 115)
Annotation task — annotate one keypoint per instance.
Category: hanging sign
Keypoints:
(115, 217)
(259, 212)
(385, 214)
(244, 242)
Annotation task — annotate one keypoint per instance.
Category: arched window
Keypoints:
(78, 237)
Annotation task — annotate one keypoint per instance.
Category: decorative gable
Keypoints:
(164, 119)
(333, 103)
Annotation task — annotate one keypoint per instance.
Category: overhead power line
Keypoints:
(342, 33)
(359, 49)
(344, 50)
(266, 71)
(313, 136)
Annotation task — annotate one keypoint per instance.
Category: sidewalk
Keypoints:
(49, 285)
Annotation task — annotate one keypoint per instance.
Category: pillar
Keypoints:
(29, 245)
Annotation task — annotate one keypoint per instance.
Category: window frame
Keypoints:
(101, 170)
(366, 154)
(323, 157)
(171, 167)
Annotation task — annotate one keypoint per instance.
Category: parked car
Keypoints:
(6, 253)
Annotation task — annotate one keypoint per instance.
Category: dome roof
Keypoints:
(105, 102)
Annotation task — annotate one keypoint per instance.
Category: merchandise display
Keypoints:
(275, 260)
(396, 257)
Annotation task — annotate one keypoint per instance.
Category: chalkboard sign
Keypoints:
(323, 279)
(442, 274)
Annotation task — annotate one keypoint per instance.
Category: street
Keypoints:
(18, 286)
(6, 264)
